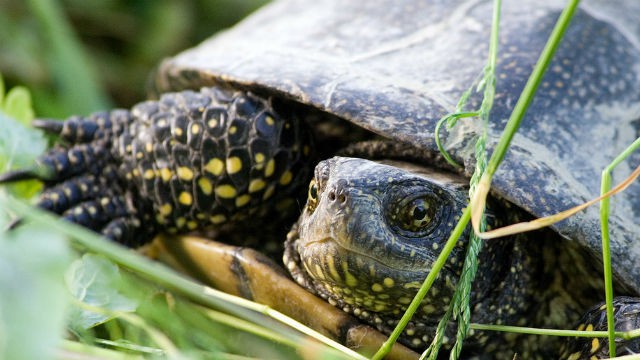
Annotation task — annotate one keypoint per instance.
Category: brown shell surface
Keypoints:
(396, 67)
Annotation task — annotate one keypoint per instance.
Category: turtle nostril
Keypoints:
(332, 195)
(342, 198)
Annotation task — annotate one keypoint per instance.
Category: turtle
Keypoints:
(338, 102)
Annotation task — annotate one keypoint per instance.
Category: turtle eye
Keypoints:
(313, 196)
(417, 215)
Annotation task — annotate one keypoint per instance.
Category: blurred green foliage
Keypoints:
(19, 143)
(34, 298)
(78, 56)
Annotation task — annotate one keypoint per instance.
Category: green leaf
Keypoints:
(96, 281)
(1, 91)
(34, 298)
(19, 147)
(17, 104)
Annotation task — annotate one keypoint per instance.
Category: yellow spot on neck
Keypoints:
(195, 129)
(319, 273)
(376, 287)
(184, 173)
(404, 300)
(242, 200)
(595, 345)
(212, 123)
(165, 210)
(185, 198)
(259, 157)
(348, 277)
(180, 222)
(270, 169)
(226, 191)
(269, 192)
(177, 131)
(166, 174)
(269, 120)
(413, 285)
(148, 147)
(233, 130)
(388, 282)
(234, 164)
(218, 219)
(429, 309)
(205, 185)
(256, 185)
(149, 174)
(332, 269)
(214, 166)
(286, 178)
(192, 225)
(575, 356)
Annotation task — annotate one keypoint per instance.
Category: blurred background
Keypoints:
(78, 56)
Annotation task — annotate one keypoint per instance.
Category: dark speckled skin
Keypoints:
(396, 67)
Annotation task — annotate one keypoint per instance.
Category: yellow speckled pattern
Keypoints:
(185, 162)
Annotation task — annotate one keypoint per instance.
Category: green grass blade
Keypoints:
(555, 332)
(78, 82)
(461, 298)
(426, 285)
(76, 350)
(606, 252)
(531, 86)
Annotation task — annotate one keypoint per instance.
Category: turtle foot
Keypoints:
(626, 313)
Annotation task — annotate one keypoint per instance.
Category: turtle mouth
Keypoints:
(354, 280)
(311, 250)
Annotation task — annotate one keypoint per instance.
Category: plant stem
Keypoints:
(521, 107)
(426, 285)
(606, 252)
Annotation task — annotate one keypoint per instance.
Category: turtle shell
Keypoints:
(396, 67)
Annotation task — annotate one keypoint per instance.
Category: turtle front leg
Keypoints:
(626, 312)
(189, 161)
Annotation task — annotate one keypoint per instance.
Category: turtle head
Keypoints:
(370, 233)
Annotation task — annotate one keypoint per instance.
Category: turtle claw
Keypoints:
(84, 129)
(14, 224)
(50, 126)
(60, 164)
(19, 175)
(127, 231)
